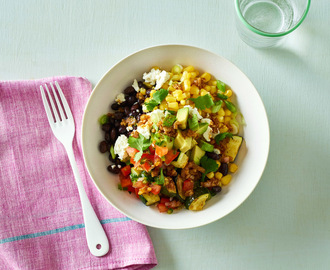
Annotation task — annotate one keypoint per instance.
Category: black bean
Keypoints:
(148, 92)
(117, 123)
(103, 147)
(223, 169)
(131, 100)
(112, 159)
(119, 115)
(217, 189)
(138, 117)
(113, 135)
(141, 85)
(112, 120)
(107, 136)
(113, 169)
(115, 106)
(141, 101)
(122, 129)
(106, 127)
(127, 110)
(135, 107)
(129, 90)
(213, 155)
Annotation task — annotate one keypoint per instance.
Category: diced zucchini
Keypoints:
(149, 198)
(232, 147)
(179, 184)
(197, 201)
(168, 189)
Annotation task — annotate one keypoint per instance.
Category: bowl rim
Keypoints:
(202, 223)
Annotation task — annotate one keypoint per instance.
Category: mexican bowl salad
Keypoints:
(173, 138)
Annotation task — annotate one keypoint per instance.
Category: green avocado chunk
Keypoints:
(182, 117)
(196, 154)
(206, 146)
(202, 128)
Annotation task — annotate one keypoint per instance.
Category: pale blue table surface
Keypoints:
(285, 223)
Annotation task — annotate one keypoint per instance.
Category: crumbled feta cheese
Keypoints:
(119, 166)
(155, 76)
(193, 111)
(208, 133)
(144, 108)
(216, 151)
(120, 98)
(157, 114)
(135, 85)
(120, 146)
(129, 128)
(144, 131)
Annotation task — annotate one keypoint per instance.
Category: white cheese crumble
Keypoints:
(135, 85)
(120, 98)
(144, 108)
(216, 151)
(129, 128)
(193, 111)
(120, 146)
(144, 131)
(156, 115)
(155, 76)
(208, 133)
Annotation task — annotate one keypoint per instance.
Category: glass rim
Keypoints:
(267, 34)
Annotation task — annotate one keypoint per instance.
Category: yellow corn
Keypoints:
(226, 179)
(221, 112)
(170, 98)
(212, 83)
(218, 162)
(227, 112)
(193, 75)
(142, 91)
(203, 92)
(147, 100)
(185, 76)
(220, 118)
(232, 167)
(183, 102)
(207, 110)
(210, 175)
(171, 88)
(194, 90)
(189, 68)
(229, 93)
(176, 77)
(163, 105)
(227, 119)
(223, 129)
(152, 92)
(218, 175)
(155, 67)
(186, 85)
(165, 85)
(206, 76)
(173, 106)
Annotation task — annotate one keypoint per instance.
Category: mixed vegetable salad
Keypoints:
(172, 138)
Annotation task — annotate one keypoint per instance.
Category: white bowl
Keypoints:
(251, 159)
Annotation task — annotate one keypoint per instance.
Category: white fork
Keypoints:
(64, 129)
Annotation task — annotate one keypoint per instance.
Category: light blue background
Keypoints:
(285, 223)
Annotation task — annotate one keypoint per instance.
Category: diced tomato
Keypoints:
(131, 151)
(164, 200)
(162, 207)
(139, 184)
(126, 170)
(157, 161)
(137, 192)
(161, 151)
(146, 166)
(170, 156)
(155, 189)
(131, 189)
(125, 182)
(187, 185)
(152, 150)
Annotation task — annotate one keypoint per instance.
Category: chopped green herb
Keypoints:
(170, 211)
(217, 106)
(193, 122)
(120, 187)
(140, 143)
(103, 119)
(160, 179)
(222, 136)
(221, 86)
(169, 120)
(209, 164)
(230, 106)
(157, 98)
(203, 102)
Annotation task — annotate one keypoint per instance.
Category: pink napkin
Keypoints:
(41, 221)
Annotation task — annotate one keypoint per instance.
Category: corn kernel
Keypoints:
(143, 91)
(194, 90)
(186, 85)
(226, 179)
(203, 92)
(218, 162)
(185, 76)
(176, 77)
(207, 88)
(152, 92)
(223, 129)
(212, 83)
(213, 90)
(232, 167)
(220, 118)
(170, 98)
(221, 112)
(165, 85)
(147, 100)
(210, 175)
(227, 112)
(163, 105)
(229, 93)
(176, 93)
(189, 68)
(207, 110)
(193, 75)
(206, 76)
(218, 175)
(171, 88)
(173, 106)
(183, 102)
(155, 67)
(227, 119)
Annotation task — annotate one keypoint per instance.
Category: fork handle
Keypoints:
(97, 240)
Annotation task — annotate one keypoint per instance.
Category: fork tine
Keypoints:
(46, 105)
(62, 115)
(64, 102)
(57, 119)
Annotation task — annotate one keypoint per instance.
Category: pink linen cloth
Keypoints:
(41, 221)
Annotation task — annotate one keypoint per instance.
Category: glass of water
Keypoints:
(265, 23)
